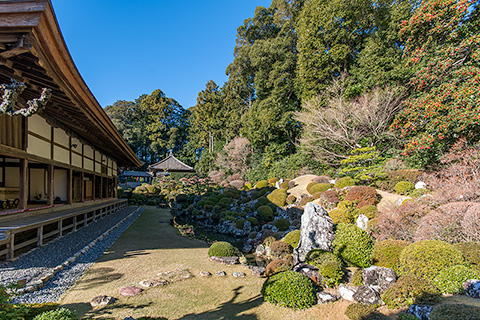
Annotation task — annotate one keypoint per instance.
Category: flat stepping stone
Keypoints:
(220, 273)
(205, 274)
(129, 291)
(238, 275)
(102, 301)
(153, 283)
(175, 275)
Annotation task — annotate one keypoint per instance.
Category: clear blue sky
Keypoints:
(127, 48)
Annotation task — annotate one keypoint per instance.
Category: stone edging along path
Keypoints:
(36, 285)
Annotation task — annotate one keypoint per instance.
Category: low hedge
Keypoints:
(222, 249)
(57, 314)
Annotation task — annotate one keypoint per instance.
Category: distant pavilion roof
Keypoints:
(170, 164)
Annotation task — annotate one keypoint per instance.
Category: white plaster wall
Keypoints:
(88, 164)
(61, 137)
(38, 125)
(87, 151)
(76, 160)
(38, 147)
(61, 155)
(60, 184)
(37, 183)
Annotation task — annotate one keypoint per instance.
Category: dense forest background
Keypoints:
(312, 80)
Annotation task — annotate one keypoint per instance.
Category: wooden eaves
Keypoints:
(33, 51)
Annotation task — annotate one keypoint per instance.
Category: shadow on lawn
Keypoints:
(83, 309)
(230, 309)
(102, 276)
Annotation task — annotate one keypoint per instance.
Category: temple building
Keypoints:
(59, 151)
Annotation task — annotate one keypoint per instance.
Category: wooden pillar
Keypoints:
(69, 186)
(11, 247)
(93, 187)
(82, 188)
(115, 191)
(101, 188)
(40, 236)
(50, 177)
(23, 194)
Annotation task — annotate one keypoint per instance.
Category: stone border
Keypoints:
(36, 285)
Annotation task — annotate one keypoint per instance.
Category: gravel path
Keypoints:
(39, 262)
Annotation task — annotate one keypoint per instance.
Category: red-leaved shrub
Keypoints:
(363, 195)
(398, 222)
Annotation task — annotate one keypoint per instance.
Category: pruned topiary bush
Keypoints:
(314, 187)
(278, 265)
(450, 279)
(280, 249)
(369, 211)
(428, 257)
(240, 223)
(265, 213)
(344, 182)
(360, 311)
(305, 200)
(386, 253)
(404, 187)
(292, 238)
(362, 195)
(282, 224)
(329, 199)
(331, 273)
(253, 221)
(470, 251)
(357, 277)
(262, 201)
(455, 311)
(222, 249)
(318, 256)
(261, 184)
(346, 212)
(410, 289)
(291, 199)
(278, 197)
(353, 245)
(290, 289)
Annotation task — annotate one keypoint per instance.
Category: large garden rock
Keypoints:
(420, 311)
(472, 288)
(362, 222)
(225, 260)
(366, 295)
(379, 278)
(347, 291)
(324, 297)
(316, 232)
(309, 271)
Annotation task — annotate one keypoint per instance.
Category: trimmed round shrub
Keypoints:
(314, 187)
(344, 182)
(346, 212)
(280, 249)
(305, 200)
(252, 235)
(267, 233)
(455, 311)
(291, 184)
(386, 253)
(278, 197)
(450, 279)
(276, 266)
(262, 201)
(284, 185)
(265, 213)
(253, 221)
(363, 195)
(369, 210)
(427, 258)
(403, 187)
(267, 242)
(225, 201)
(273, 180)
(261, 184)
(353, 245)
(470, 251)
(240, 223)
(292, 238)
(360, 311)
(282, 224)
(291, 199)
(290, 289)
(417, 193)
(151, 202)
(410, 289)
(322, 179)
(180, 198)
(331, 272)
(222, 249)
(329, 199)
(57, 314)
(317, 257)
